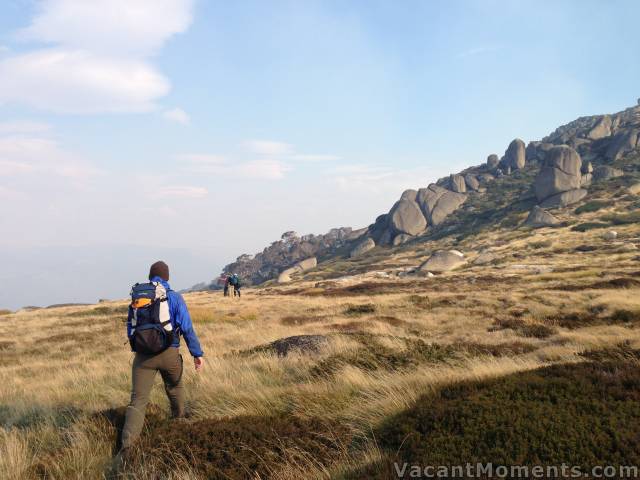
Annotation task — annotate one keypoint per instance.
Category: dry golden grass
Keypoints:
(68, 363)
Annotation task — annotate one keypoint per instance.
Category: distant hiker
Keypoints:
(157, 317)
(234, 281)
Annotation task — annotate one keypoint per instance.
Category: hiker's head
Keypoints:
(159, 269)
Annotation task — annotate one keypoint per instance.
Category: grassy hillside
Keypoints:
(539, 344)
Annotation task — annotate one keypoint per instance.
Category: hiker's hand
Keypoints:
(199, 363)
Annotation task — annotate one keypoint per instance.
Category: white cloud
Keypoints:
(138, 27)
(177, 115)
(22, 127)
(25, 151)
(180, 191)
(268, 148)
(216, 165)
(315, 158)
(378, 179)
(99, 60)
(202, 159)
(268, 169)
(80, 82)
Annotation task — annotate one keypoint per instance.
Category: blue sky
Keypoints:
(208, 128)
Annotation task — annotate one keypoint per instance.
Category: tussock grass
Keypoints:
(391, 343)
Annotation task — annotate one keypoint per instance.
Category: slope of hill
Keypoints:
(495, 193)
(505, 334)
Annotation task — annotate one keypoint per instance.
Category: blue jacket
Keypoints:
(180, 321)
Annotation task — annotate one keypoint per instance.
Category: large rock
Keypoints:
(437, 203)
(515, 156)
(379, 227)
(485, 178)
(409, 195)
(472, 182)
(605, 172)
(401, 238)
(539, 218)
(443, 261)
(622, 143)
(485, 257)
(559, 173)
(634, 189)
(493, 160)
(564, 199)
(285, 275)
(601, 129)
(362, 247)
(301, 266)
(457, 184)
(308, 264)
(406, 217)
(537, 151)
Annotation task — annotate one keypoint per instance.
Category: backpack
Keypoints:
(151, 329)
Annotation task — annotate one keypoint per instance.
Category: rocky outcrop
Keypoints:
(515, 156)
(601, 129)
(539, 218)
(564, 199)
(634, 189)
(409, 195)
(406, 217)
(457, 184)
(605, 172)
(472, 182)
(493, 160)
(287, 252)
(623, 143)
(300, 267)
(536, 152)
(559, 176)
(402, 238)
(437, 203)
(362, 247)
(443, 261)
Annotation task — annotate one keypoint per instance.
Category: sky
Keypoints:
(198, 130)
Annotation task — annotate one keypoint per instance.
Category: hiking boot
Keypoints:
(120, 461)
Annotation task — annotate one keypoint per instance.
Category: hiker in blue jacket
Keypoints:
(168, 362)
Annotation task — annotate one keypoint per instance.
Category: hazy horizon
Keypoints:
(198, 131)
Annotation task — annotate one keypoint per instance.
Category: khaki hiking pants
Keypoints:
(169, 364)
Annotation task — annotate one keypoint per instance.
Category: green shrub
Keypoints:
(583, 227)
(241, 447)
(541, 244)
(356, 310)
(623, 219)
(593, 206)
(582, 414)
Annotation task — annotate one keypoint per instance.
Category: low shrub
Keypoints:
(420, 301)
(593, 206)
(581, 414)
(356, 310)
(623, 219)
(522, 328)
(241, 447)
(585, 227)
